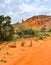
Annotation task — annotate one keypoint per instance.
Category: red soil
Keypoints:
(38, 54)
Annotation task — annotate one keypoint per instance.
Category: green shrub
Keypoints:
(49, 30)
(25, 31)
(23, 43)
(41, 37)
(43, 29)
(29, 32)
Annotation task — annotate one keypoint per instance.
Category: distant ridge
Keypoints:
(38, 21)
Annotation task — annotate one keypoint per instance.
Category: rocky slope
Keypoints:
(38, 21)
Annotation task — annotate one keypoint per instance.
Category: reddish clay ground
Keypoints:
(38, 54)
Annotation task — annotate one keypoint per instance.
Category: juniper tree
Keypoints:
(6, 28)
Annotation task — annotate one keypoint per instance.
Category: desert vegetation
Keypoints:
(6, 28)
(8, 33)
(22, 44)
(29, 32)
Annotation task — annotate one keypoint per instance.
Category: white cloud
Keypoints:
(27, 1)
(25, 8)
(29, 9)
(8, 1)
(19, 9)
(46, 0)
(10, 13)
(2, 5)
(36, 8)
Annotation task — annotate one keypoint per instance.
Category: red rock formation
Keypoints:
(38, 21)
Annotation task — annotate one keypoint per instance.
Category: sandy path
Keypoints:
(38, 54)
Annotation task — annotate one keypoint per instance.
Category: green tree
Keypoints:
(1, 21)
(6, 28)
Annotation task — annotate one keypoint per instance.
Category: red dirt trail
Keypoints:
(38, 54)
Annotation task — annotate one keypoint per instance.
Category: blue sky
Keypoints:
(23, 9)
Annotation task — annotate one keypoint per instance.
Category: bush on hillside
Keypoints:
(25, 31)
(49, 30)
(43, 29)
